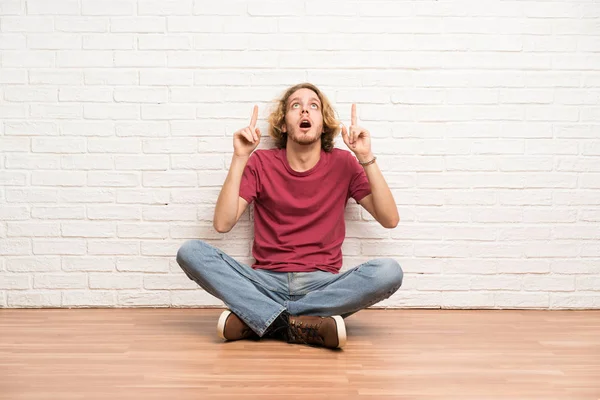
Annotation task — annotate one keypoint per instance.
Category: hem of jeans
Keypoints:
(268, 323)
(364, 305)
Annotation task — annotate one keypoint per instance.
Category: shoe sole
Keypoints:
(341, 329)
(221, 324)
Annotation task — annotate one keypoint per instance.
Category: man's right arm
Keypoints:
(230, 206)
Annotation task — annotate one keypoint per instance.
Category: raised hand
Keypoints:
(246, 139)
(358, 139)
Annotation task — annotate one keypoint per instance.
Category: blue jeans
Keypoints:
(259, 296)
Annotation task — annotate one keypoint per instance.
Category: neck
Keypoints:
(303, 157)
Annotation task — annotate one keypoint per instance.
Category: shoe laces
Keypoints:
(301, 332)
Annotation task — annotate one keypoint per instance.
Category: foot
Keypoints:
(321, 331)
(231, 327)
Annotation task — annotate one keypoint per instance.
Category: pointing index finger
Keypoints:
(353, 115)
(254, 116)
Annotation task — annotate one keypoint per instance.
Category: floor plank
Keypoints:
(391, 354)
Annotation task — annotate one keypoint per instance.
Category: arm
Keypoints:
(230, 206)
(380, 203)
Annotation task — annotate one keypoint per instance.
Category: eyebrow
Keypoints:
(297, 98)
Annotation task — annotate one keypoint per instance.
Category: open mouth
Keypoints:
(305, 124)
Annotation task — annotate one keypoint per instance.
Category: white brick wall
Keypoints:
(115, 134)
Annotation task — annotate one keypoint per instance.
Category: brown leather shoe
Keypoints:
(321, 331)
(231, 327)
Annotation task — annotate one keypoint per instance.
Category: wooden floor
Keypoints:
(391, 354)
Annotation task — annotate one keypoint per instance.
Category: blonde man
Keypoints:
(300, 189)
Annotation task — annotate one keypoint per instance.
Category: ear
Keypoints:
(283, 128)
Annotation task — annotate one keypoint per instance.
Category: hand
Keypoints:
(246, 139)
(359, 139)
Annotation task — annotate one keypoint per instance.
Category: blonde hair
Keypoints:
(331, 125)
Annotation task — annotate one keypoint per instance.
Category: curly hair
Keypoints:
(331, 125)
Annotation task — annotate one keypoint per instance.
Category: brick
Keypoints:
(55, 77)
(84, 59)
(142, 129)
(59, 247)
(143, 196)
(13, 41)
(138, 24)
(143, 264)
(56, 111)
(62, 178)
(229, 7)
(112, 247)
(114, 76)
(13, 111)
(34, 298)
(112, 179)
(62, 7)
(108, 7)
(113, 212)
(10, 281)
(169, 146)
(8, 178)
(143, 231)
(86, 128)
(143, 299)
(169, 7)
(168, 112)
(97, 95)
(80, 24)
(169, 179)
(111, 111)
(88, 264)
(115, 281)
(55, 41)
(33, 229)
(552, 283)
(468, 299)
(108, 42)
(170, 77)
(87, 162)
(141, 95)
(14, 213)
(27, 24)
(169, 213)
(114, 145)
(162, 42)
(140, 59)
(86, 195)
(169, 282)
(89, 298)
(143, 162)
(33, 264)
(60, 281)
(30, 128)
(88, 229)
(13, 76)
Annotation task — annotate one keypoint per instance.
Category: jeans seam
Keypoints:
(247, 276)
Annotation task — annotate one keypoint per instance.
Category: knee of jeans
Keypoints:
(391, 272)
(188, 249)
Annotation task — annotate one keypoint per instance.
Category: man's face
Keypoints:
(303, 117)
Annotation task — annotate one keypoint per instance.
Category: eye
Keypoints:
(315, 106)
(295, 105)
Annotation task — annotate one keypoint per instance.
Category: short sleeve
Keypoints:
(249, 186)
(359, 184)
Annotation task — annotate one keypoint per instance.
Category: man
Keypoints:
(300, 190)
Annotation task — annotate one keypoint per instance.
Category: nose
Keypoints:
(304, 109)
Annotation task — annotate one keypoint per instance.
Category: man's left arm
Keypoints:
(380, 203)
